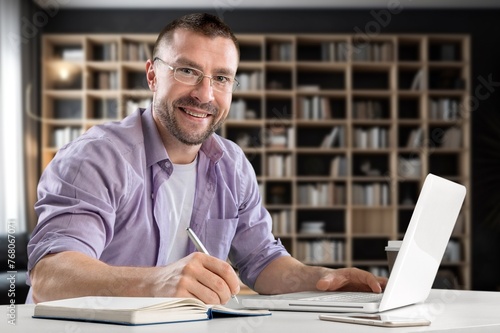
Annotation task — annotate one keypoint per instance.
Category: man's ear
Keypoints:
(151, 75)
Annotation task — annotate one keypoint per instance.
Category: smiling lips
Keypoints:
(195, 114)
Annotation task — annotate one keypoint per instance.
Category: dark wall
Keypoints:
(482, 25)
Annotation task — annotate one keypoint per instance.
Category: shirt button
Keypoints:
(167, 166)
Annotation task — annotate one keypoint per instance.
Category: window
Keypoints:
(12, 195)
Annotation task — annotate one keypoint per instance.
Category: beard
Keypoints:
(166, 115)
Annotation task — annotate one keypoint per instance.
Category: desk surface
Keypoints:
(448, 310)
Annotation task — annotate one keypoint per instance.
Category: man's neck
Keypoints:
(181, 153)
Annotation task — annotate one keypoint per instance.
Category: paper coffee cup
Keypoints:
(392, 250)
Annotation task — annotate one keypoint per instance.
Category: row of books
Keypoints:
(105, 108)
(367, 109)
(338, 166)
(373, 137)
(363, 138)
(249, 81)
(338, 51)
(280, 52)
(131, 51)
(321, 251)
(444, 109)
(240, 110)
(444, 138)
(105, 80)
(253, 81)
(334, 51)
(314, 108)
(321, 194)
(64, 135)
(341, 51)
(105, 52)
(101, 108)
(280, 137)
(137, 51)
(376, 51)
(371, 194)
(279, 165)
(319, 108)
(282, 222)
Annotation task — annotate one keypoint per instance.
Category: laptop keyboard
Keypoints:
(353, 297)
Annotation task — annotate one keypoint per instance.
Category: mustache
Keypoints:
(188, 101)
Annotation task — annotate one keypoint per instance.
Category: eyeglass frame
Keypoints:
(234, 84)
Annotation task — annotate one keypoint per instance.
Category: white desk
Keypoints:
(449, 310)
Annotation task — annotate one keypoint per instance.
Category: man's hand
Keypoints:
(287, 275)
(198, 275)
(351, 279)
(73, 274)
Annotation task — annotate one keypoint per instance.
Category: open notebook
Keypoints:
(414, 270)
(136, 310)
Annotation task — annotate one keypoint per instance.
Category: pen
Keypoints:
(200, 247)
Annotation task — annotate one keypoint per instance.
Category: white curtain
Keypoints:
(12, 187)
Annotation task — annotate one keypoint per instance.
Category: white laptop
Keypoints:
(414, 270)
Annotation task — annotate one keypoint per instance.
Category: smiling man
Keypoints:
(114, 204)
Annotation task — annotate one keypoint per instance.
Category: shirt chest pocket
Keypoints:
(219, 235)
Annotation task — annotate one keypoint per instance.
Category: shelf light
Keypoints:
(64, 73)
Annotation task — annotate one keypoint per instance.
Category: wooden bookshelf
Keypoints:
(341, 134)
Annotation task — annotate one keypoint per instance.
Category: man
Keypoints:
(114, 205)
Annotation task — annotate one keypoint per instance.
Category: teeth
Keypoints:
(197, 115)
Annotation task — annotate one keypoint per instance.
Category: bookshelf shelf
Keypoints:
(338, 132)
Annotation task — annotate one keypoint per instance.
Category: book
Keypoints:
(136, 310)
(330, 139)
(417, 83)
(415, 138)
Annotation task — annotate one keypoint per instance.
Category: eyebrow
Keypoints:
(218, 71)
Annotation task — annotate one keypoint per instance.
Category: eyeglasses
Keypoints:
(192, 77)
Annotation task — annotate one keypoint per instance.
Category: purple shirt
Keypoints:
(98, 193)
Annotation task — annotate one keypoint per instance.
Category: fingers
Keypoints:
(376, 283)
(210, 279)
(331, 281)
(351, 279)
(382, 281)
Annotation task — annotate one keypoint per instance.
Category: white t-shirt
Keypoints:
(178, 194)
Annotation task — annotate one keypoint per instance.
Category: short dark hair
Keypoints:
(202, 23)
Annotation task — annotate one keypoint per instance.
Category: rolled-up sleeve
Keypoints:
(78, 195)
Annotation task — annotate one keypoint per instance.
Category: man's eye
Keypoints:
(222, 79)
(187, 71)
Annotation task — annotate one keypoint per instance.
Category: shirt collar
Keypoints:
(212, 148)
(155, 150)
